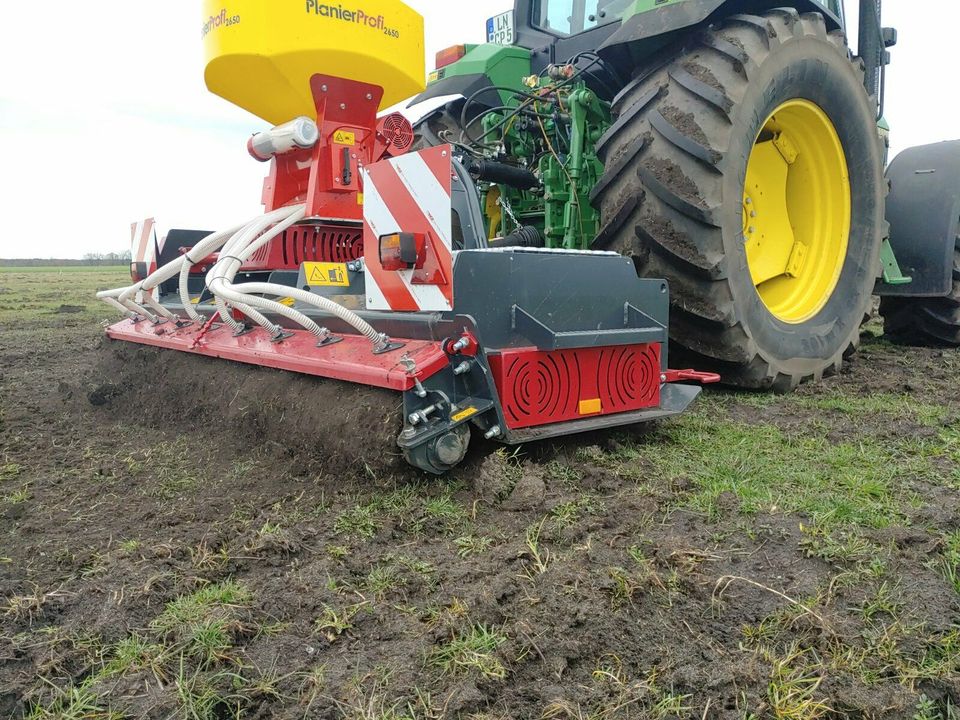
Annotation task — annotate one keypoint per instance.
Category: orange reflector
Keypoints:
(450, 55)
(591, 407)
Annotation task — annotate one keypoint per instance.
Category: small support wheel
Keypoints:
(441, 453)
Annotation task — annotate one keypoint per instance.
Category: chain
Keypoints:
(505, 204)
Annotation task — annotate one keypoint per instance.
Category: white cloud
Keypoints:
(105, 118)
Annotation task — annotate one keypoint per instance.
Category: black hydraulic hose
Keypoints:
(503, 174)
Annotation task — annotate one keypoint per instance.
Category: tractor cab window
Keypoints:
(569, 17)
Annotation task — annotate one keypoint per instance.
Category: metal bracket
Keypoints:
(546, 338)
(388, 346)
(278, 338)
(329, 340)
(892, 274)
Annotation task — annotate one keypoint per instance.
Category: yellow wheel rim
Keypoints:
(796, 211)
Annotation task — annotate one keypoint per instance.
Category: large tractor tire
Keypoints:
(748, 171)
(933, 321)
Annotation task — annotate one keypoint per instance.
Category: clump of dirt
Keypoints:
(672, 176)
(703, 74)
(663, 232)
(686, 123)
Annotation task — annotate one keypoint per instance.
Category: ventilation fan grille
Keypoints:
(539, 388)
(398, 131)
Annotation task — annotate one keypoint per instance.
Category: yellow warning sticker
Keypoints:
(464, 414)
(326, 274)
(289, 302)
(434, 76)
(345, 137)
(359, 198)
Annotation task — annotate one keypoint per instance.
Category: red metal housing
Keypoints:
(539, 388)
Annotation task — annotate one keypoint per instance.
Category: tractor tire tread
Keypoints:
(666, 214)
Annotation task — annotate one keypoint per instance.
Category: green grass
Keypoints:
(950, 562)
(31, 298)
(858, 481)
(473, 651)
(202, 624)
(60, 269)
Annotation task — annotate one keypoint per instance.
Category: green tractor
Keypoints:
(733, 147)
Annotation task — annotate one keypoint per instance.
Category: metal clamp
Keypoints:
(410, 365)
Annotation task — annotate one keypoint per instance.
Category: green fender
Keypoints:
(649, 25)
(483, 66)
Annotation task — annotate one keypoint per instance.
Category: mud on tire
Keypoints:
(672, 194)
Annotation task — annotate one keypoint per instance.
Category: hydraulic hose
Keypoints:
(220, 282)
(235, 247)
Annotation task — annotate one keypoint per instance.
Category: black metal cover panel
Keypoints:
(578, 299)
(923, 210)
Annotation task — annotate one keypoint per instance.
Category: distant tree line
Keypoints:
(110, 258)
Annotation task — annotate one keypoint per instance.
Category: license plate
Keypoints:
(500, 29)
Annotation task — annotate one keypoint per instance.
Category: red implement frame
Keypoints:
(351, 359)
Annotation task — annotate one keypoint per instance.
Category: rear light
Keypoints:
(450, 55)
(401, 251)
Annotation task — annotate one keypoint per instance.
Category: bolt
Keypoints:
(753, 213)
(369, 96)
(420, 416)
(663, 378)
(461, 344)
(343, 106)
(323, 88)
(492, 432)
(751, 229)
(462, 368)
(444, 153)
(747, 201)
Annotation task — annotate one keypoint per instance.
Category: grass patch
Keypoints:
(335, 622)
(202, 625)
(358, 521)
(950, 563)
(468, 545)
(473, 651)
(852, 482)
(618, 695)
(75, 703)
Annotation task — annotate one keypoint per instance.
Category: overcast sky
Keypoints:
(104, 117)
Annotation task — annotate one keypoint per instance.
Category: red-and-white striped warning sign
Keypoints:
(410, 194)
(143, 243)
(143, 247)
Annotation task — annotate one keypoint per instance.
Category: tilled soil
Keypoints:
(583, 579)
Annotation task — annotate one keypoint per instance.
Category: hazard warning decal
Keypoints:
(410, 194)
(323, 274)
